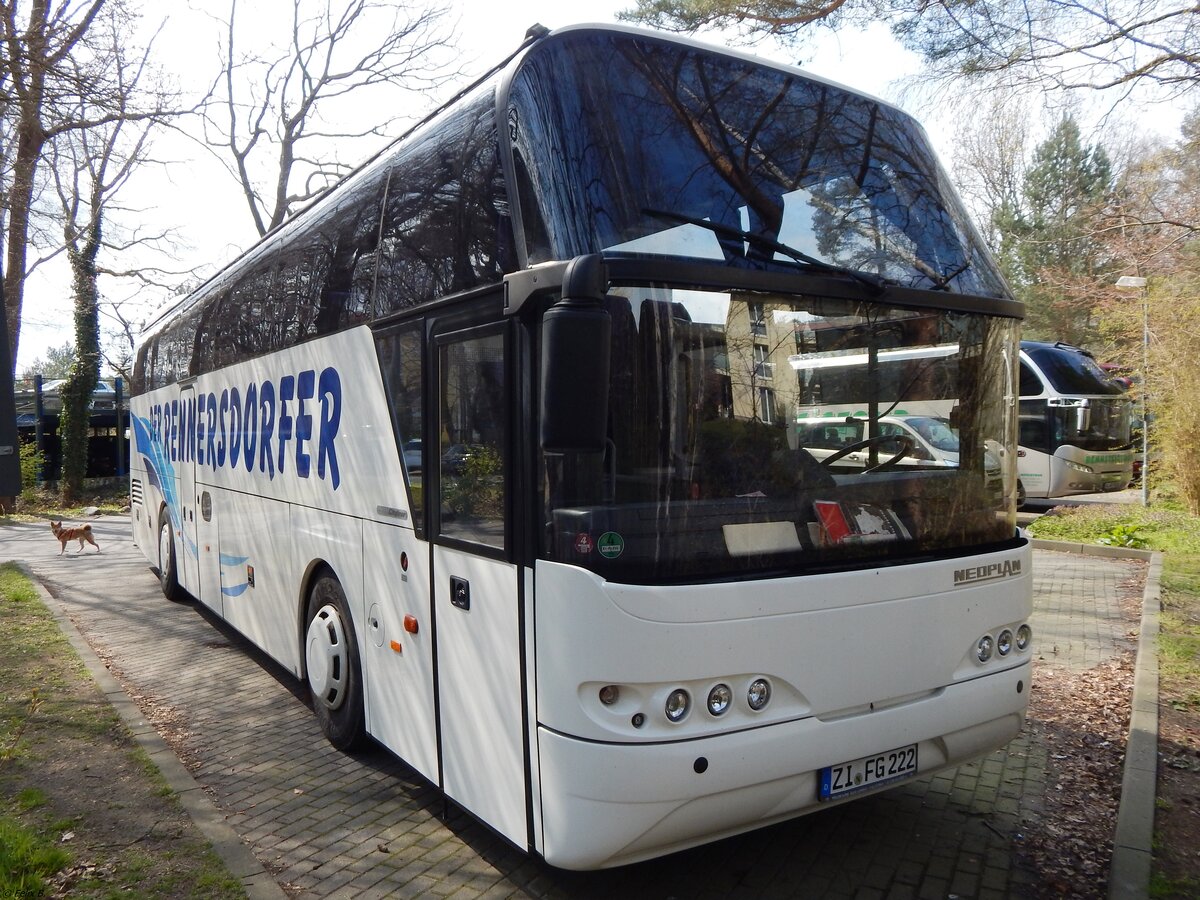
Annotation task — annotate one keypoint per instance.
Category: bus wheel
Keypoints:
(331, 659)
(1020, 494)
(168, 571)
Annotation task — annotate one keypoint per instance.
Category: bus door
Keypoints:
(1034, 453)
(208, 550)
(186, 543)
(475, 587)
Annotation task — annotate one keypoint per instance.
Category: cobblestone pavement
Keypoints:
(327, 824)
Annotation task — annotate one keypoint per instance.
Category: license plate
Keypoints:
(870, 771)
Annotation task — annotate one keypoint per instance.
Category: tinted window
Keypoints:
(672, 128)
(472, 420)
(400, 362)
(1072, 372)
(446, 227)
(699, 478)
(1031, 385)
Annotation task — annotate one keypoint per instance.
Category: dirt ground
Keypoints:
(77, 774)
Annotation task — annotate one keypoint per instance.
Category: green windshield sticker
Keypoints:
(610, 545)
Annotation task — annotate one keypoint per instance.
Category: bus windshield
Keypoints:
(710, 473)
(675, 151)
(1072, 372)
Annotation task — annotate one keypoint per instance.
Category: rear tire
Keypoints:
(332, 666)
(168, 571)
(1020, 494)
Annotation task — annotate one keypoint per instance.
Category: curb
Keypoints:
(1129, 871)
(233, 851)
(1129, 875)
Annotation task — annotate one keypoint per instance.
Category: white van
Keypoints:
(897, 441)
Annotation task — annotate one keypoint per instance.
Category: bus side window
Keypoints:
(1031, 385)
(1033, 435)
(399, 352)
(472, 436)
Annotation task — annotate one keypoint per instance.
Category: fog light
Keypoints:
(718, 699)
(984, 648)
(759, 693)
(678, 702)
(1024, 636)
(1004, 642)
(610, 694)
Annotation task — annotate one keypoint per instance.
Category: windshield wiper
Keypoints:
(763, 242)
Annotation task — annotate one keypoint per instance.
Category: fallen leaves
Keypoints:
(1081, 718)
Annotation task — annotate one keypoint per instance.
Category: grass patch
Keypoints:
(1162, 887)
(83, 811)
(27, 859)
(33, 504)
(1171, 531)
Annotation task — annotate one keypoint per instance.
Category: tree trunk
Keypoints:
(75, 418)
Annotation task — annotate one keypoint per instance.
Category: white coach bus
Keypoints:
(489, 446)
(1074, 435)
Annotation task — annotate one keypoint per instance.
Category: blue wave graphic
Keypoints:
(236, 585)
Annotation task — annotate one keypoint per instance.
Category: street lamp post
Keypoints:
(1136, 282)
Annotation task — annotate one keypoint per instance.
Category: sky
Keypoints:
(203, 204)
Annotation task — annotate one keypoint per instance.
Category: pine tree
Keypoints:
(1049, 244)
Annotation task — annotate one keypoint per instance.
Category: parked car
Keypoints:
(454, 460)
(413, 457)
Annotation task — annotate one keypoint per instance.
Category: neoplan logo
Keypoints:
(991, 572)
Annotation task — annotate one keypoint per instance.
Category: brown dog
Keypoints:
(73, 534)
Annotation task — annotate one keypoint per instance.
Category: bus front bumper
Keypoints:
(605, 805)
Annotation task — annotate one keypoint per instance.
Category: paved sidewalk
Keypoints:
(327, 824)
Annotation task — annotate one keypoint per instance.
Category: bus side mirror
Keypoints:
(576, 355)
(1083, 419)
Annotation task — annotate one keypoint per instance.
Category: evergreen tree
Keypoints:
(1048, 244)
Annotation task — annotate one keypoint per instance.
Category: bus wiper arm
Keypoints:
(763, 242)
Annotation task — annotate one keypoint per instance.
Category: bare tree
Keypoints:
(54, 54)
(1049, 44)
(990, 163)
(277, 125)
(90, 167)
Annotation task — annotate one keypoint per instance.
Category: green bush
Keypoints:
(31, 463)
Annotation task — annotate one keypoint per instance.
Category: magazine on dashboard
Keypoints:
(858, 523)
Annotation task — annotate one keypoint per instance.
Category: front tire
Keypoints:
(332, 666)
(168, 571)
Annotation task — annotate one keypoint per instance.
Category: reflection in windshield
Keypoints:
(841, 178)
(714, 466)
(936, 431)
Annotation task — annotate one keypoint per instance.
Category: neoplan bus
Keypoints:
(489, 447)
(1075, 424)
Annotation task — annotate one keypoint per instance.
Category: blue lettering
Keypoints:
(250, 427)
(235, 427)
(212, 430)
(330, 389)
(255, 428)
(201, 402)
(305, 385)
(221, 421)
(287, 385)
(174, 417)
(266, 397)
(191, 428)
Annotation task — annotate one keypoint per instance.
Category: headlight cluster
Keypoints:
(1078, 467)
(678, 704)
(1003, 643)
